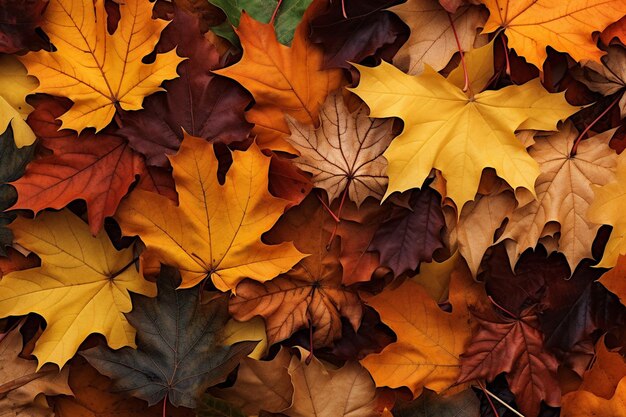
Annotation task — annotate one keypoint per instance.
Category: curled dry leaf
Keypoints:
(214, 231)
(101, 73)
(345, 151)
(312, 293)
(179, 354)
(82, 286)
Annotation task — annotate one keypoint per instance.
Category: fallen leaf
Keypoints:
(605, 374)
(13, 161)
(97, 168)
(616, 30)
(237, 213)
(237, 331)
(318, 391)
(435, 277)
(213, 407)
(21, 382)
(345, 151)
(514, 346)
(101, 73)
(583, 403)
(18, 21)
(282, 80)
(82, 286)
(287, 181)
(311, 294)
(614, 280)
(168, 362)
(15, 85)
(409, 237)
(436, 45)
(457, 133)
(199, 103)
(564, 193)
(533, 25)
(462, 404)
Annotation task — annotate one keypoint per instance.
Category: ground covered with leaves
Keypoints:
(312, 208)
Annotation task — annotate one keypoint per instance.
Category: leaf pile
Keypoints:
(312, 208)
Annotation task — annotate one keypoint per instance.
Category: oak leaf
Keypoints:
(456, 133)
(101, 73)
(345, 151)
(430, 341)
(98, 168)
(584, 403)
(434, 47)
(533, 25)
(312, 293)
(514, 346)
(198, 102)
(82, 286)
(178, 353)
(215, 230)
(13, 161)
(21, 382)
(607, 208)
(15, 85)
(564, 193)
(282, 80)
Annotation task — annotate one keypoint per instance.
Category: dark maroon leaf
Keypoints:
(201, 103)
(411, 236)
(18, 21)
(367, 30)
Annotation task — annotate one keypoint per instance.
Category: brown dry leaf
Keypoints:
(615, 279)
(321, 392)
(261, 385)
(435, 277)
(435, 45)
(586, 404)
(311, 293)
(606, 79)
(564, 193)
(20, 383)
(345, 151)
(607, 370)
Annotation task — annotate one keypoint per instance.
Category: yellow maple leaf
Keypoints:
(15, 85)
(457, 132)
(608, 208)
(100, 72)
(215, 230)
(81, 287)
(532, 25)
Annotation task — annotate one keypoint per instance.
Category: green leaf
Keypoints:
(178, 346)
(214, 407)
(288, 16)
(13, 161)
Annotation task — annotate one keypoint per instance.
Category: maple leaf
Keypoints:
(284, 15)
(101, 73)
(12, 164)
(533, 25)
(613, 280)
(410, 236)
(98, 168)
(514, 346)
(94, 396)
(198, 102)
(15, 85)
(82, 286)
(282, 80)
(345, 151)
(457, 133)
(215, 230)
(178, 354)
(21, 382)
(604, 375)
(606, 78)
(311, 294)
(607, 208)
(18, 21)
(368, 30)
(287, 181)
(584, 403)
(430, 341)
(434, 47)
(616, 30)
(564, 193)
(462, 404)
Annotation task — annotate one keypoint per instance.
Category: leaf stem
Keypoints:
(511, 409)
(596, 120)
(338, 216)
(493, 407)
(165, 405)
(502, 308)
(275, 12)
(466, 86)
(343, 9)
(121, 271)
(310, 357)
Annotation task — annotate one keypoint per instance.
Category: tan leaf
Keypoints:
(345, 151)
(564, 193)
